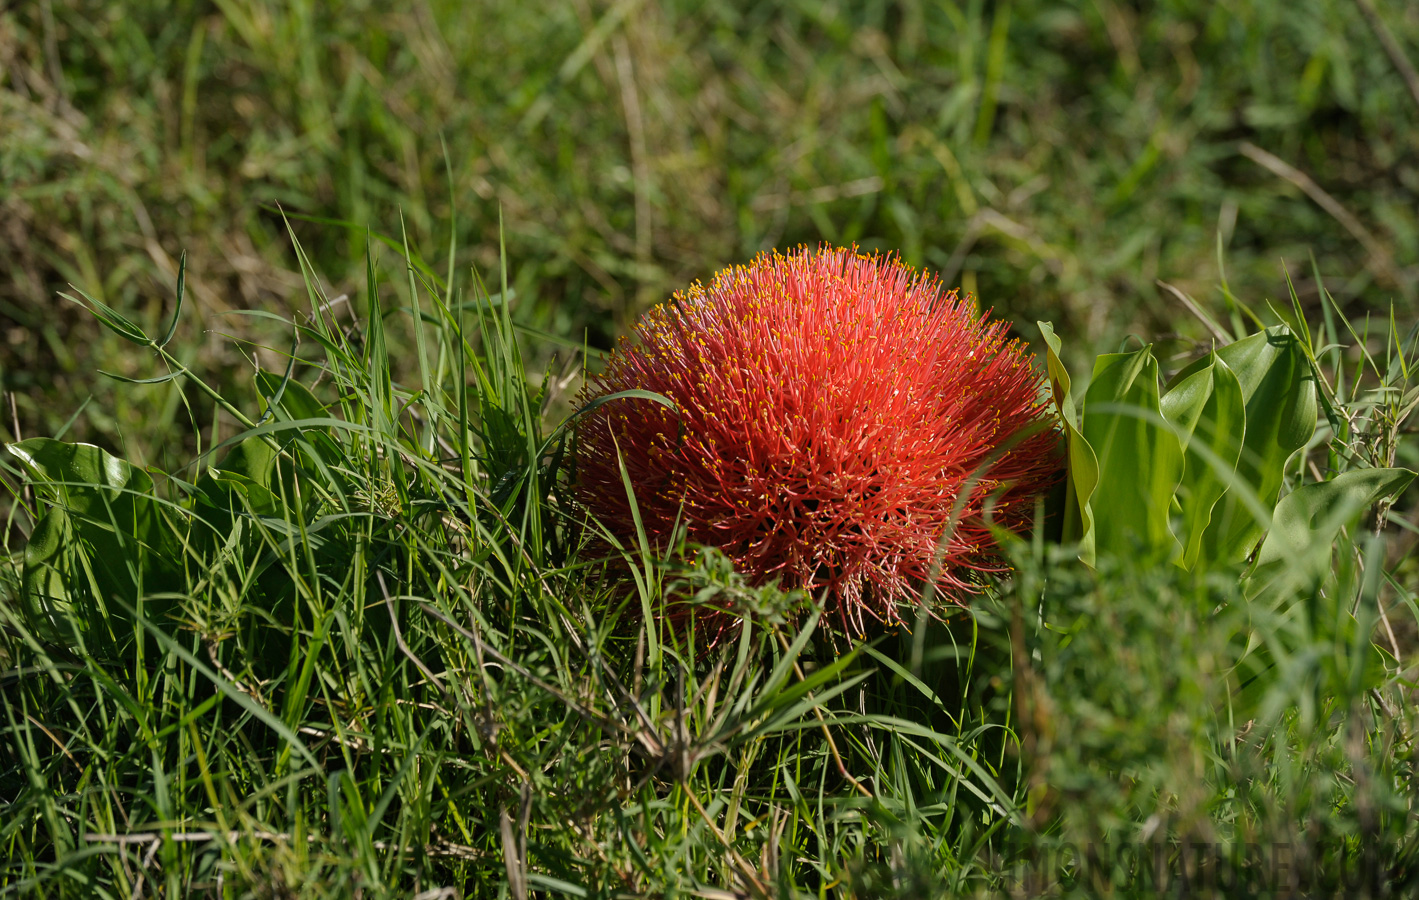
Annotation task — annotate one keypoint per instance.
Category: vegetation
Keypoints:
(1056, 159)
(297, 597)
(357, 647)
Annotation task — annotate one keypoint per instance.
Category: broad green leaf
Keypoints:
(1308, 519)
(1280, 395)
(42, 581)
(68, 473)
(247, 470)
(294, 398)
(1140, 458)
(1208, 410)
(103, 537)
(252, 458)
(1083, 469)
(259, 497)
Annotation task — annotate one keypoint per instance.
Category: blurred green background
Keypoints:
(1056, 158)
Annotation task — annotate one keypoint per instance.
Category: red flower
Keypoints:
(832, 409)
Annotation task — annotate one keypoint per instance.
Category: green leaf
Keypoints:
(377, 355)
(1140, 458)
(248, 471)
(103, 537)
(292, 397)
(124, 379)
(69, 473)
(177, 307)
(252, 459)
(1279, 390)
(1209, 413)
(110, 318)
(259, 497)
(42, 581)
(1308, 519)
(1082, 476)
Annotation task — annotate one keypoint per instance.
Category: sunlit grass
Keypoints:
(317, 612)
(359, 647)
(1056, 160)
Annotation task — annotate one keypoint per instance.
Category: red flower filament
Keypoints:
(833, 407)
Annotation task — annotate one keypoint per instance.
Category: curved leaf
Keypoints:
(42, 580)
(177, 306)
(1209, 412)
(1082, 475)
(104, 536)
(1312, 516)
(1271, 366)
(66, 472)
(1279, 390)
(1140, 458)
(294, 398)
(632, 394)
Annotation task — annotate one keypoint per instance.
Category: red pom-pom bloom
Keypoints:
(833, 408)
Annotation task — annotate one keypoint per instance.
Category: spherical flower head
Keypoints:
(845, 426)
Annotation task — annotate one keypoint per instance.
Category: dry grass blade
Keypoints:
(1381, 262)
(1216, 330)
(1392, 48)
(399, 637)
(516, 866)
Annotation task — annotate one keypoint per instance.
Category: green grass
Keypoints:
(377, 667)
(1057, 159)
(315, 616)
(358, 648)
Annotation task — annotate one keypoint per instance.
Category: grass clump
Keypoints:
(351, 650)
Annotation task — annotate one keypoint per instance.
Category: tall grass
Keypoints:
(358, 647)
(352, 649)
